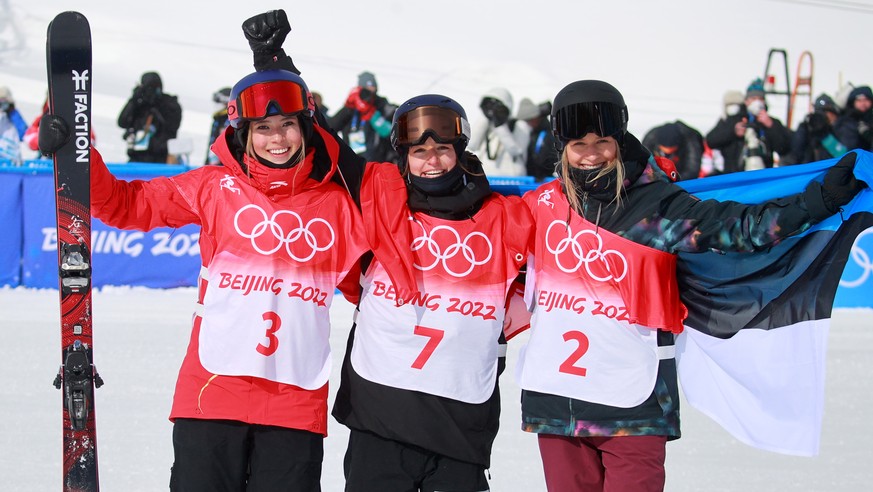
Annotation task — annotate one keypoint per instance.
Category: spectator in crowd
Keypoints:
(498, 141)
(219, 123)
(748, 139)
(12, 127)
(319, 105)
(541, 153)
(150, 119)
(814, 139)
(679, 143)
(855, 127)
(364, 122)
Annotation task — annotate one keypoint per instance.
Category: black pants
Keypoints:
(374, 464)
(224, 455)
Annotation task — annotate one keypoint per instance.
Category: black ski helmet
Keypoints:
(430, 115)
(587, 106)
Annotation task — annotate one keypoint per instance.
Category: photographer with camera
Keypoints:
(814, 139)
(364, 122)
(748, 139)
(541, 154)
(498, 141)
(150, 119)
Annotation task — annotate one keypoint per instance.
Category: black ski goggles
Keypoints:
(574, 121)
(443, 125)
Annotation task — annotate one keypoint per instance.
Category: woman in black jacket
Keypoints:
(598, 374)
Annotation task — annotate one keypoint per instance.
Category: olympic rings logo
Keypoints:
(590, 258)
(261, 231)
(862, 258)
(458, 247)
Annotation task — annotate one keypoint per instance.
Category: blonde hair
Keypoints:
(570, 190)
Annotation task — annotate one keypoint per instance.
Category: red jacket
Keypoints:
(274, 245)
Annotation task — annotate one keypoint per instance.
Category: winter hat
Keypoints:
(859, 91)
(731, 101)
(151, 80)
(824, 103)
(500, 94)
(755, 89)
(668, 135)
(6, 94)
(221, 96)
(527, 110)
(367, 80)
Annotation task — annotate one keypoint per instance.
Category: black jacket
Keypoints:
(163, 115)
(855, 129)
(659, 214)
(777, 139)
(541, 153)
(347, 121)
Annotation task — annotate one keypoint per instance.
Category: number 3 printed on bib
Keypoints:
(274, 322)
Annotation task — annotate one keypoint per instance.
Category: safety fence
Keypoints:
(167, 257)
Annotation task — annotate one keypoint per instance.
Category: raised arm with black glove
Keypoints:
(265, 33)
(838, 188)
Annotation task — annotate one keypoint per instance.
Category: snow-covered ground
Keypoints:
(672, 60)
(140, 336)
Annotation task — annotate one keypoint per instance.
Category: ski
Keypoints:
(68, 63)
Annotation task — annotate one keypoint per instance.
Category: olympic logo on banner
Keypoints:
(596, 260)
(862, 258)
(464, 248)
(268, 234)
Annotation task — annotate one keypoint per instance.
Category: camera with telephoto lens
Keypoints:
(817, 122)
(367, 95)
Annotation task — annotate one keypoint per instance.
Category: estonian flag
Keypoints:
(752, 356)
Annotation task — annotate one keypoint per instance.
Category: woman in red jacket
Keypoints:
(250, 406)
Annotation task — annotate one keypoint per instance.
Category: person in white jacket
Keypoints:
(500, 141)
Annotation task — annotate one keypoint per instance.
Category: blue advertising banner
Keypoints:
(13, 228)
(161, 258)
(165, 257)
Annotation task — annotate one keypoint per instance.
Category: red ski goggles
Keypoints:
(267, 98)
(442, 124)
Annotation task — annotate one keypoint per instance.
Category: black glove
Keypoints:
(818, 124)
(266, 33)
(54, 132)
(840, 184)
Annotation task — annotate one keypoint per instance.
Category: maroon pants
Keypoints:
(603, 464)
